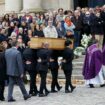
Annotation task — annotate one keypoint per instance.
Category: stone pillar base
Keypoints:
(13, 6)
(33, 10)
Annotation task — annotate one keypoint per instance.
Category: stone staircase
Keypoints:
(77, 77)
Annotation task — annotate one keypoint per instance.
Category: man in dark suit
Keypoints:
(54, 71)
(67, 66)
(15, 71)
(2, 72)
(30, 61)
(42, 66)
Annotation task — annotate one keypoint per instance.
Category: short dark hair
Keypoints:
(68, 42)
(60, 9)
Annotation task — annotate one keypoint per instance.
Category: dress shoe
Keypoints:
(103, 85)
(2, 99)
(59, 88)
(42, 95)
(72, 88)
(11, 100)
(46, 93)
(27, 97)
(34, 94)
(91, 86)
(54, 91)
(67, 91)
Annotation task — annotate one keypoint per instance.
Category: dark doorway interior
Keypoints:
(88, 3)
(83, 3)
(80, 3)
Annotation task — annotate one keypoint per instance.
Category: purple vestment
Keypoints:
(92, 63)
(103, 55)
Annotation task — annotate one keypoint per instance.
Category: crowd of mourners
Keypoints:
(64, 24)
(16, 30)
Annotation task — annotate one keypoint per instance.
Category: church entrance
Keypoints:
(80, 3)
(88, 3)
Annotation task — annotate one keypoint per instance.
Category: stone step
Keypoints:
(74, 76)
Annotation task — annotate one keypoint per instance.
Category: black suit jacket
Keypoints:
(28, 55)
(2, 67)
(68, 56)
(44, 55)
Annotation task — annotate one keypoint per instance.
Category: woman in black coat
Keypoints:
(2, 73)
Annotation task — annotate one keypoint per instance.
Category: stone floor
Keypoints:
(81, 96)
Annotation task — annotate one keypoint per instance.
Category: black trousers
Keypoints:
(2, 86)
(68, 83)
(33, 87)
(43, 75)
(54, 83)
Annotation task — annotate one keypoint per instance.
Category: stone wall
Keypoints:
(2, 7)
(19, 5)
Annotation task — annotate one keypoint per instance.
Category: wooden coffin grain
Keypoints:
(54, 43)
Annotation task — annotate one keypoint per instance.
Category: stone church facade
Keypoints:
(33, 5)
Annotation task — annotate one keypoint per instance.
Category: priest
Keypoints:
(92, 70)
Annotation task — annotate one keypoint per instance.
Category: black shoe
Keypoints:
(59, 88)
(72, 88)
(102, 85)
(67, 91)
(11, 100)
(34, 94)
(2, 99)
(27, 97)
(91, 85)
(54, 91)
(46, 93)
(42, 95)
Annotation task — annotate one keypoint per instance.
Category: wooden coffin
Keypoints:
(54, 43)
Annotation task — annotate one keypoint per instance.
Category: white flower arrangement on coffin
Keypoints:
(84, 42)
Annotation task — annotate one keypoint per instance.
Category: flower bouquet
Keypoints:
(84, 42)
(79, 51)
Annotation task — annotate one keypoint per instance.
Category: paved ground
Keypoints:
(81, 96)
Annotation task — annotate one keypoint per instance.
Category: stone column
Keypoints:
(50, 4)
(32, 5)
(72, 4)
(13, 5)
(69, 4)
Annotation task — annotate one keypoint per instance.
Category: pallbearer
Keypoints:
(43, 56)
(67, 66)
